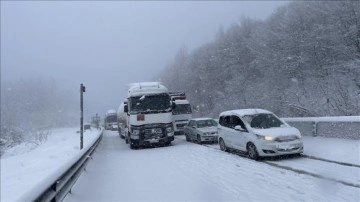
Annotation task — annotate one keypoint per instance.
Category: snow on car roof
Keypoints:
(201, 119)
(111, 111)
(181, 102)
(243, 112)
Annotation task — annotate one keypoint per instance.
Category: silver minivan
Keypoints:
(257, 132)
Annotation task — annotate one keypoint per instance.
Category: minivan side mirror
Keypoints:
(239, 128)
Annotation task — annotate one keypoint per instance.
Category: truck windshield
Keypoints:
(111, 118)
(182, 109)
(150, 104)
(263, 121)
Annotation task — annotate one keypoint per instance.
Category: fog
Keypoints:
(106, 45)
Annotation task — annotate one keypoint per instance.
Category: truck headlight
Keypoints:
(136, 132)
(169, 129)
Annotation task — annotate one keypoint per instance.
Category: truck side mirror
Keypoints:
(126, 109)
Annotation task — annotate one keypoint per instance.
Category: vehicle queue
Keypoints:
(254, 132)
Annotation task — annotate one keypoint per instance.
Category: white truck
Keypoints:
(121, 120)
(149, 115)
(182, 113)
(110, 120)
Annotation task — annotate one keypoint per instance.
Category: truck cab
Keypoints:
(181, 116)
(110, 120)
(182, 113)
(149, 115)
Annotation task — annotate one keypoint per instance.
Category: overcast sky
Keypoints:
(106, 45)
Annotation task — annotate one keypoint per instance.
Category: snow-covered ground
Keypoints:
(26, 169)
(190, 172)
(183, 171)
(333, 149)
(343, 150)
(325, 119)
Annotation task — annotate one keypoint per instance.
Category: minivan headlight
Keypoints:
(265, 137)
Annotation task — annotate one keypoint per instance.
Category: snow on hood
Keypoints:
(277, 132)
(208, 129)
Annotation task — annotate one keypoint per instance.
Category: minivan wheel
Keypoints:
(222, 145)
(252, 152)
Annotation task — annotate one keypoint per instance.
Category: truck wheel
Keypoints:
(119, 131)
(133, 146)
(199, 139)
(187, 137)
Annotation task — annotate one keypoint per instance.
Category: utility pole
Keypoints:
(97, 121)
(82, 90)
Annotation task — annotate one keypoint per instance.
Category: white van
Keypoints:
(258, 132)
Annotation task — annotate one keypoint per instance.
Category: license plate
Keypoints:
(153, 141)
(286, 147)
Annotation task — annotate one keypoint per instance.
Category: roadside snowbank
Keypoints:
(336, 149)
(24, 169)
(324, 119)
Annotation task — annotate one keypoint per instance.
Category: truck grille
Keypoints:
(153, 133)
(180, 125)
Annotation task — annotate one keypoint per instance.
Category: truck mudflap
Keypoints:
(151, 142)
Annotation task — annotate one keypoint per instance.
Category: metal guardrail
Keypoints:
(62, 186)
(342, 127)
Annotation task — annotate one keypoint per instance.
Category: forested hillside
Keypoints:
(30, 108)
(304, 60)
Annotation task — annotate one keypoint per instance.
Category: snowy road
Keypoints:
(333, 171)
(187, 171)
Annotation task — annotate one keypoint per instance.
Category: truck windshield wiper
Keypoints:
(155, 111)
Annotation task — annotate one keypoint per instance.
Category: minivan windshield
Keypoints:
(263, 121)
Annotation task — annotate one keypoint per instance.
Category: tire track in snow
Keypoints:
(299, 171)
(200, 175)
(330, 161)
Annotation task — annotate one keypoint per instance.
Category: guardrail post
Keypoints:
(315, 129)
(82, 90)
